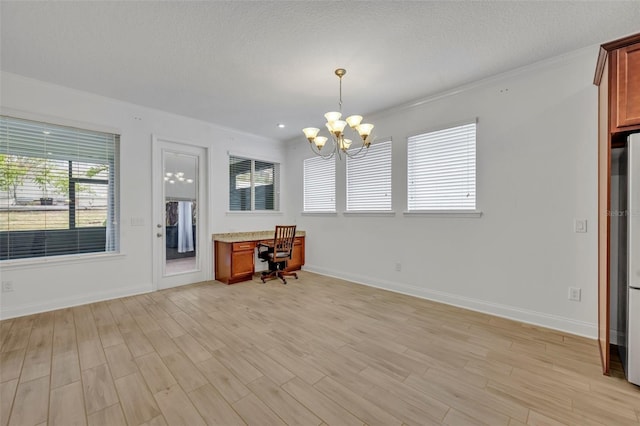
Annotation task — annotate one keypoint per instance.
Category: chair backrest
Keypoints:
(283, 240)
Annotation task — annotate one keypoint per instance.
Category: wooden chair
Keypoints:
(278, 253)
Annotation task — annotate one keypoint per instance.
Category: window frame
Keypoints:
(378, 210)
(112, 229)
(305, 211)
(252, 185)
(474, 212)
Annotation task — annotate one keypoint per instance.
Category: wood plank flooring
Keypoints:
(318, 351)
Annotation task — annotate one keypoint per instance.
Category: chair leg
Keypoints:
(289, 274)
(275, 271)
(268, 275)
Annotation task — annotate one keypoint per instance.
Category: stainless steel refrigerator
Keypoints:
(629, 262)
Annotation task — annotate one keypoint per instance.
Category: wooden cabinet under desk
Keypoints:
(235, 260)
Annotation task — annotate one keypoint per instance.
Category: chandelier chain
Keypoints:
(340, 103)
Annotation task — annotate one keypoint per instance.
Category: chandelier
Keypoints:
(336, 127)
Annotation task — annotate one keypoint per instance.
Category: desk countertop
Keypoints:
(236, 237)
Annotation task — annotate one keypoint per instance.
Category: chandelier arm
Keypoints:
(336, 128)
(315, 150)
(356, 154)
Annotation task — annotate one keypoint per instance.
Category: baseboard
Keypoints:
(555, 322)
(67, 302)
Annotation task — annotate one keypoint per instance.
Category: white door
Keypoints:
(181, 246)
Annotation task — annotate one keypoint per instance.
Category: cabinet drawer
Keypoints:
(246, 245)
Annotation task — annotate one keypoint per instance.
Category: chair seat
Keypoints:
(278, 253)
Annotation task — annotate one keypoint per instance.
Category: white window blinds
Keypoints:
(441, 169)
(252, 184)
(58, 190)
(369, 180)
(319, 185)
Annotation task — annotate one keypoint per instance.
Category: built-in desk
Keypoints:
(234, 254)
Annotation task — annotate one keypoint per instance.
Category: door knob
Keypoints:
(159, 234)
(158, 226)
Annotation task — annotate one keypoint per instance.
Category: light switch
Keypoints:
(580, 225)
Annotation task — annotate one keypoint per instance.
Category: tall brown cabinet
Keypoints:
(618, 80)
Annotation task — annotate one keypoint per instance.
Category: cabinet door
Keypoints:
(628, 86)
(297, 255)
(241, 263)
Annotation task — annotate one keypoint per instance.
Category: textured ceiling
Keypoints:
(250, 65)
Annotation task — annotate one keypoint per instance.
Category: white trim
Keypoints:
(67, 302)
(202, 272)
(381, 213)
(46, 261)
(543, 64)
(444, 213)
(59, 121)
(138, 115)
(542, 319)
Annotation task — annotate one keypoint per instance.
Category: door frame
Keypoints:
(160, 145)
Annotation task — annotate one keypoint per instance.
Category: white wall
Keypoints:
(45, 285)
(536, 162)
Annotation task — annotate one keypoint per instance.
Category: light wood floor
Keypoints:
(317, 351)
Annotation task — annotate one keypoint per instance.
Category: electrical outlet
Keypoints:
(398, 267)
(575, 294)
(7, 286)
(580, 225)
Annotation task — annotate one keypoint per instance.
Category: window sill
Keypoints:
(332, 213)
(445, 213)
(254, 212)
(378, 213)
(43, 262)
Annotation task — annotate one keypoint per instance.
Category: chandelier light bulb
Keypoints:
(354, 121)
(338, 126)
(365, 129)
(320, 141)
(329, 126)
(332, 116)
(310, 132)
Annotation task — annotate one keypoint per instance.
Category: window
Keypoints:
(252, 185)
(441, 169)
(369, 180)
(58, 190)
(319, 185)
